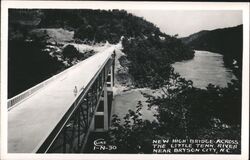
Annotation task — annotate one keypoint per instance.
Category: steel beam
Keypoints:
(71, 133)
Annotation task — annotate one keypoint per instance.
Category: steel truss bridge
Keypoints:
(57, 115)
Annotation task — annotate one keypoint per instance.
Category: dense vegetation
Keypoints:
(148, 50)
(28, 65)
(183, 112)
(226, 41)
(151, 58)
(98, 25)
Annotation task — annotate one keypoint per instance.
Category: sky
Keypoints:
(187, 22)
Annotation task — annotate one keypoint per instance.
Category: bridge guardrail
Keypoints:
(24, 95)
(47, 143)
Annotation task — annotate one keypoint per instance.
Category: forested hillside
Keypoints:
(226, 41)
(98, 25)
(148, 50)
(43, 42)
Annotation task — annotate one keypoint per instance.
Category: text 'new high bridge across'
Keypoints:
(57, 115)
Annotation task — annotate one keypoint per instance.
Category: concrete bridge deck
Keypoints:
(31, 121)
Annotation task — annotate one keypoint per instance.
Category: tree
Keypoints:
(184, 112)
(132, 135)
(70, 52)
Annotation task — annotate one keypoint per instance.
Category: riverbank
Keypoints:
(204, 68)
(126, 95)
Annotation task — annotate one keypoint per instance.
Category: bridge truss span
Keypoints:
(71, 134)
(60, 117)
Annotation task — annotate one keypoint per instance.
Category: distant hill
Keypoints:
(226, 41)
(37, 36)
(98, 25)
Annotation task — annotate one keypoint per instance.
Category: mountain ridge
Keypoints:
(225, 41)
(30, 31)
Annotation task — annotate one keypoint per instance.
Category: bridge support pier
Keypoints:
(90, 112)
(101, 120)
(105, 121)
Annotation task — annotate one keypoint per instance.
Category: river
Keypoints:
(206, 67)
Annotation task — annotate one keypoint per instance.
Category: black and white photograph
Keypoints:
(107, 79)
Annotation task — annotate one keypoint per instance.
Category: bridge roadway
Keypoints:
(31, 121)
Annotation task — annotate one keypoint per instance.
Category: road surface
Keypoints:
(31, 122)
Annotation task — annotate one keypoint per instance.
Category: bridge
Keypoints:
(57, 115)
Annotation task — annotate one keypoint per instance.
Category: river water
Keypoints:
(206, 67)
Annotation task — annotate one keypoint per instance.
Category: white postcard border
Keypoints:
(125, 5)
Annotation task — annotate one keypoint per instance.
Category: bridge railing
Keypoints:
(12, 102)
(70, 133)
